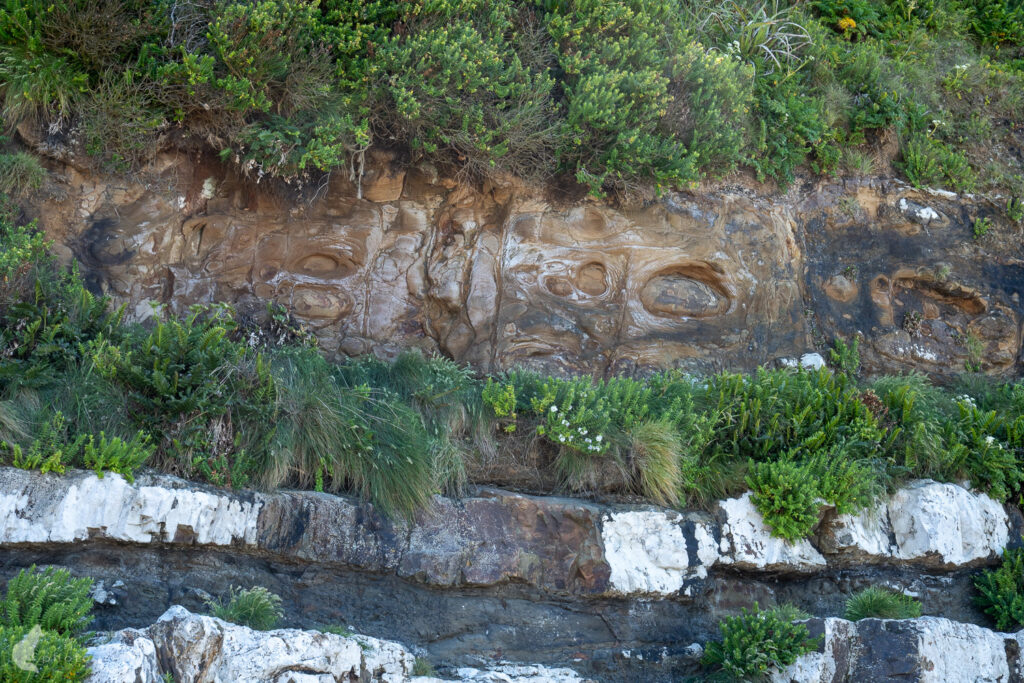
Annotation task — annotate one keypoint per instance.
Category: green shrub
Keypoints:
(785, 494)
(29, 655)
(616, 58)
(50, 599)
(756, 642)
(255, 607)
(196, 390)
(116, 455)
(881, 603)
(713, 94)
(335, 434)
(1001, 591)
(470, 78)
(929, 162)
(20, 174)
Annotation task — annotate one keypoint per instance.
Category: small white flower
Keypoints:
(561, 438)
(587, 439)
(583, 432)
(599, 437)
(989, 439)
(565, 423)
(554, 409)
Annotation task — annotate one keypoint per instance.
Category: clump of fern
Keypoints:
(48, 598)
(875, 602)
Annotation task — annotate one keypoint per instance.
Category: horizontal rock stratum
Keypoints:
(557, 545)
(200, 649)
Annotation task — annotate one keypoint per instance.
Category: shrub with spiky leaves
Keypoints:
(875, 602)
(1001, 591)
(49, 598)
(757, 642)
(255, 607)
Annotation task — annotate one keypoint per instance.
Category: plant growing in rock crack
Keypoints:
(255, 607)
(756, 642)
(1001, 591)
(876, 602)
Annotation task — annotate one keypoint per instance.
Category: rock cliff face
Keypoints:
(616, 592)
(499, 276)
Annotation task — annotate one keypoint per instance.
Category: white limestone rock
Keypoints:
(832, 663)
(747, 541)
(812, 361)
(203, 649)
(947, 525)
(952, 652)
(128, 657)
(518, 673)
(37, 508)
(861, 537)
(646, 551)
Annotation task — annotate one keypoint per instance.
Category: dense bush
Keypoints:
(40, 617)
(1001, 591)
(626, 96)
(756, 642)
(50, 599)
(881, 603)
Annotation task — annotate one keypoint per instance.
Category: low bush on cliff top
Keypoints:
(624, 96)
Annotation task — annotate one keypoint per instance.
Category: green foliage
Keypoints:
(423, 667)
(616, 61)
(116, 455)
(28, 655)
(998, 22)
(757, 642)
(50, 599)
(336, 432)
(929, 162)
(1001, 591)
(655, 449)
(785, 494)
(981, 227)
(846, 357)
(20, 174)
(255, 607)
(195, 390)
(881, 603)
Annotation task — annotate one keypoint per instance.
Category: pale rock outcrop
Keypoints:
(924, 650)
(747, 541)
(37, 508)
(202, 649)
(947, 524)
(836, 642)
(194, 648)
(128, 657)
(646, 552)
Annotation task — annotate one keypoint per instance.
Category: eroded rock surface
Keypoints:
(500, 276)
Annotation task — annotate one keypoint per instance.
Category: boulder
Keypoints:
(202, 649)
(129, 656)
